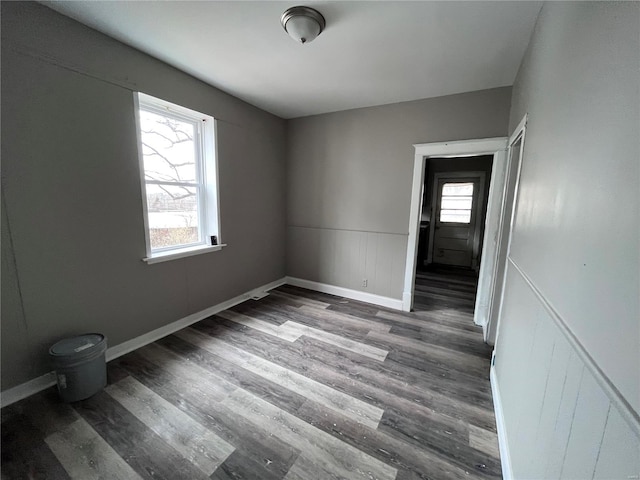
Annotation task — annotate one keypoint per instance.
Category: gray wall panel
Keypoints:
(72, 189)
(352, 171)
(588, 424)
(567, 352)
(345, 258)
(554, 410)
(14, 333)
(576, 230)
(620, 450)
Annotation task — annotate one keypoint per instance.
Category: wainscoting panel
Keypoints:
(619, 451)
(562, 417)
(348, 258)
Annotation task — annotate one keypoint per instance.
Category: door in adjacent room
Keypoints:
(455, 218)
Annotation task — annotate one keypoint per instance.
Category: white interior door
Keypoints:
(455, 218)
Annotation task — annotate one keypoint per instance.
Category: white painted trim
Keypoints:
(36, 385)
(205, 130)
(617, 399)
(485, 146)
(388, 302)
(27, 389)
(492, 329)
(212, 176)
(489, 244)
(414, 230)
(143, 188)
(185, 252)
(461, 148)
(505, 457)
(158, 333)
(519, 129)
(407, 301)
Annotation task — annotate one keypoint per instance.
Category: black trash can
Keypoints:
(80, 366)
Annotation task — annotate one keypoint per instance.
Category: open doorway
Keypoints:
(486, 250)
(454, 207)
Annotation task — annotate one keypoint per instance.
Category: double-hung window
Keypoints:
(179, 179)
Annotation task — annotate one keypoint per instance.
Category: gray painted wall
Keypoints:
(72, 224)
(349, 180)
(574, 259)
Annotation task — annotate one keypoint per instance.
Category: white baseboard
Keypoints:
(24, 390)
(346, 292)
(47, 380)
(505, 458)
(158, 333)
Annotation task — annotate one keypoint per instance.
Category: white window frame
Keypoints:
(206, 179)
(470, 210)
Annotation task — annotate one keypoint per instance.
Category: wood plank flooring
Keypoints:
(297, 385)
(441, 288)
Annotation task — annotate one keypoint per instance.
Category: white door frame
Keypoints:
(508, 214)
(481, 176)
(464, 148)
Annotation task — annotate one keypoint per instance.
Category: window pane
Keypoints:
(168, 148)
(457, 189)
(455, 216)
(173, 215)
(457, 203)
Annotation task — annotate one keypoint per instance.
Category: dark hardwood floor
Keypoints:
(445, 288)
(297, 385)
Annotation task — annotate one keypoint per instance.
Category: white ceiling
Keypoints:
(371, 53)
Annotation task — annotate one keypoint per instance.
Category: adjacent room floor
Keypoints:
(443, 287)
(297, 385)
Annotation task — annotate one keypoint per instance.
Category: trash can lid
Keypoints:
(76, 345)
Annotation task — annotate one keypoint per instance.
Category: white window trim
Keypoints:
(174, 254)
(209, 204)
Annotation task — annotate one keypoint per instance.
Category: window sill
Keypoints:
(182, 253)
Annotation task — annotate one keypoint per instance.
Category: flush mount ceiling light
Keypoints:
(303, 24)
